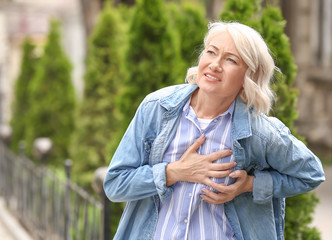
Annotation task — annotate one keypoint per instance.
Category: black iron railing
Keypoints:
(48, 205)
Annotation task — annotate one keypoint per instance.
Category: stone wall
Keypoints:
(309, 27)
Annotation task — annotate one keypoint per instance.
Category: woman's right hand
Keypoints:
(197, 168)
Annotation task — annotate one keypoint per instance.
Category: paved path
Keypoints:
(323, 211)
(4, 233)
(10, 228)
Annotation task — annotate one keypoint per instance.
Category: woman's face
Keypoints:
(221, 69)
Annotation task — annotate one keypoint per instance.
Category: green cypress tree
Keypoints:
(153, 56)
(98, 119)
(52, 99)
(190, 23)
(272, 29)
(270, 23)
(20, 104)
(243, 11)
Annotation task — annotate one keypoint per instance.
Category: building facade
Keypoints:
(309, 26)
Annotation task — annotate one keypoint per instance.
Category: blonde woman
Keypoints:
(203, 160)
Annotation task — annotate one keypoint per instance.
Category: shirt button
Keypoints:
(215, 120)
(190, 194)
(149, 235)
(186, 220)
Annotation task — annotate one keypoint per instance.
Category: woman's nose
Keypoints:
(215, 66)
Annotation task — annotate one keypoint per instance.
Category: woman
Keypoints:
(202, 160)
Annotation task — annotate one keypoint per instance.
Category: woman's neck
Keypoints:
(208, 107)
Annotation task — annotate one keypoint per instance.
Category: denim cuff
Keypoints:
(262, 187)
(159, 177)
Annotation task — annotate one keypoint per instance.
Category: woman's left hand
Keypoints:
(244, 183)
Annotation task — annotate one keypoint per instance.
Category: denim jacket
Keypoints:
(263, 146)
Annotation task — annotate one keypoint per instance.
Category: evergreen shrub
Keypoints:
(20, 106)
(52, 99)
(153, 56)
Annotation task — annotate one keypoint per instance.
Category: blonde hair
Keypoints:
(256, 54)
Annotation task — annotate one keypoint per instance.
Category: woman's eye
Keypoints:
(210, 52)
(231, 60)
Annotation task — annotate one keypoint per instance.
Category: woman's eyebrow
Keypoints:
(210, 45)
(234, 55)
(227, 52)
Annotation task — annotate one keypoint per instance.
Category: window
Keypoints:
(321, 37)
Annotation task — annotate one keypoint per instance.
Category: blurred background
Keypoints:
(309, 27)
(90, 30)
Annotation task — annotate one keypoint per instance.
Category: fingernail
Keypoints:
(232, 174)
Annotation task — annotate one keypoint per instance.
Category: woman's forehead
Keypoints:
(222, 40)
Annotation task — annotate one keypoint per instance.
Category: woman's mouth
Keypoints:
(211, 77)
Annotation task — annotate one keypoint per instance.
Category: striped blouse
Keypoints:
(185, 215)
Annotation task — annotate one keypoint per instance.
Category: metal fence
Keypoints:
(48, 205)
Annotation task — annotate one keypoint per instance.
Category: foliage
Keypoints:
(153, 56)
(298, 217)
(190, 23)
(52, 99)
(285, 106)
(98, 118)
(243, 11)
(20, 105)
(270, 23)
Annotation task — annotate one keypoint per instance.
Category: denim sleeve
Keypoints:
(262, 186)
(129, 176)
(294, 169)
(159, 174)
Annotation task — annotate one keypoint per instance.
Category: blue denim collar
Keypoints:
(241, 120)
(241, 115)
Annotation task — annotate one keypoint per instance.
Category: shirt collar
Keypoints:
(230, 110)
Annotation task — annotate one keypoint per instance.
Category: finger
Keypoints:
(220, 187)
(210, 193)
(238, 174)
(208, 199)
(212, 197)
(222, 166)
(219, 154)
(219, 174)
(197, 143)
